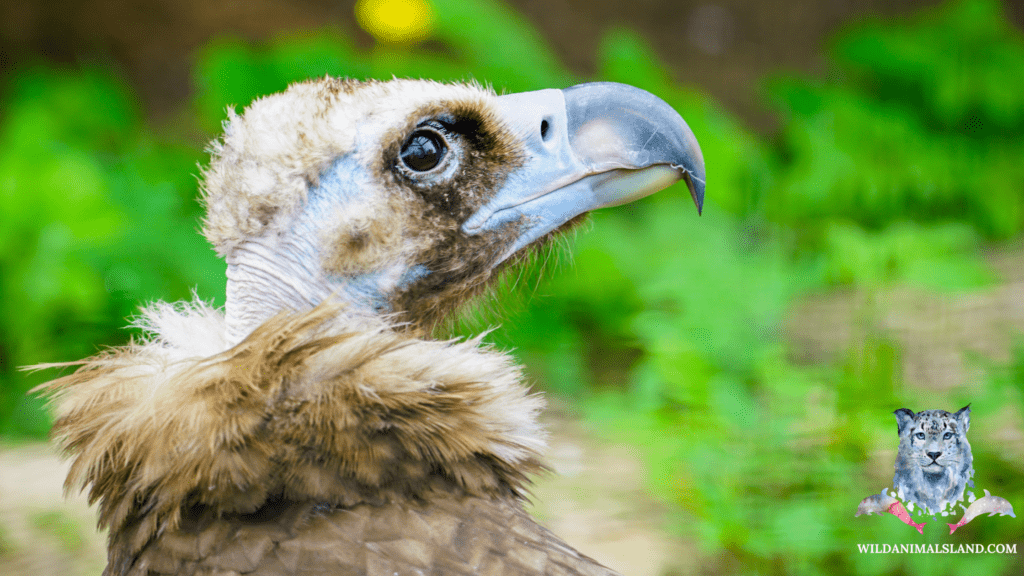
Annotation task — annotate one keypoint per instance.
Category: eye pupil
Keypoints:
(423, 150)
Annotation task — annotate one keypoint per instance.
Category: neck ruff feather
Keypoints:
(302, 409)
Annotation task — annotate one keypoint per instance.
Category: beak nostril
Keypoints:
(545, 127)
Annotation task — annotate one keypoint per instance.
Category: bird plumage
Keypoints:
(178, 427)
(314, 426)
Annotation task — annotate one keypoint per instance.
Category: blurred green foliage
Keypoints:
(667, 328)
(89, 196)
(61, 527)
(919, 119)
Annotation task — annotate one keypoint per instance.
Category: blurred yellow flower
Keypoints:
(395, 21)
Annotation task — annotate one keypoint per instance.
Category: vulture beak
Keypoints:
(588, 146)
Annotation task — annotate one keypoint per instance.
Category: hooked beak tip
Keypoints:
(696, 188)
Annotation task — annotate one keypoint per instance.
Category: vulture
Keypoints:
(317, 424)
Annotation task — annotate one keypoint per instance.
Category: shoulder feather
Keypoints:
(302, 409)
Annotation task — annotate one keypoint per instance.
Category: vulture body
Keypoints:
(314, 426)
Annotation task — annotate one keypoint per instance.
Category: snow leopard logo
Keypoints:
(934, 463)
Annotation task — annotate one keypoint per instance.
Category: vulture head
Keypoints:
(405, 198)
(314, 426)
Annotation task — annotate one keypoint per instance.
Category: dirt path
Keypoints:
(595, 498)
(41, 533)
(939, 336)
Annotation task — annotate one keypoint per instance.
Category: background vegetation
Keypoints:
(899, 170)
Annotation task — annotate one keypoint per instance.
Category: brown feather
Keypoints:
(452, 534)
(304, 410)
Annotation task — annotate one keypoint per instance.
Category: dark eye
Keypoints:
(920, 435)
(424, 150)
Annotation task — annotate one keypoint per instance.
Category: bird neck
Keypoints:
(263, 283)
(265, 280)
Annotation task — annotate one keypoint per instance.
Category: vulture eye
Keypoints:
(423, 150)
